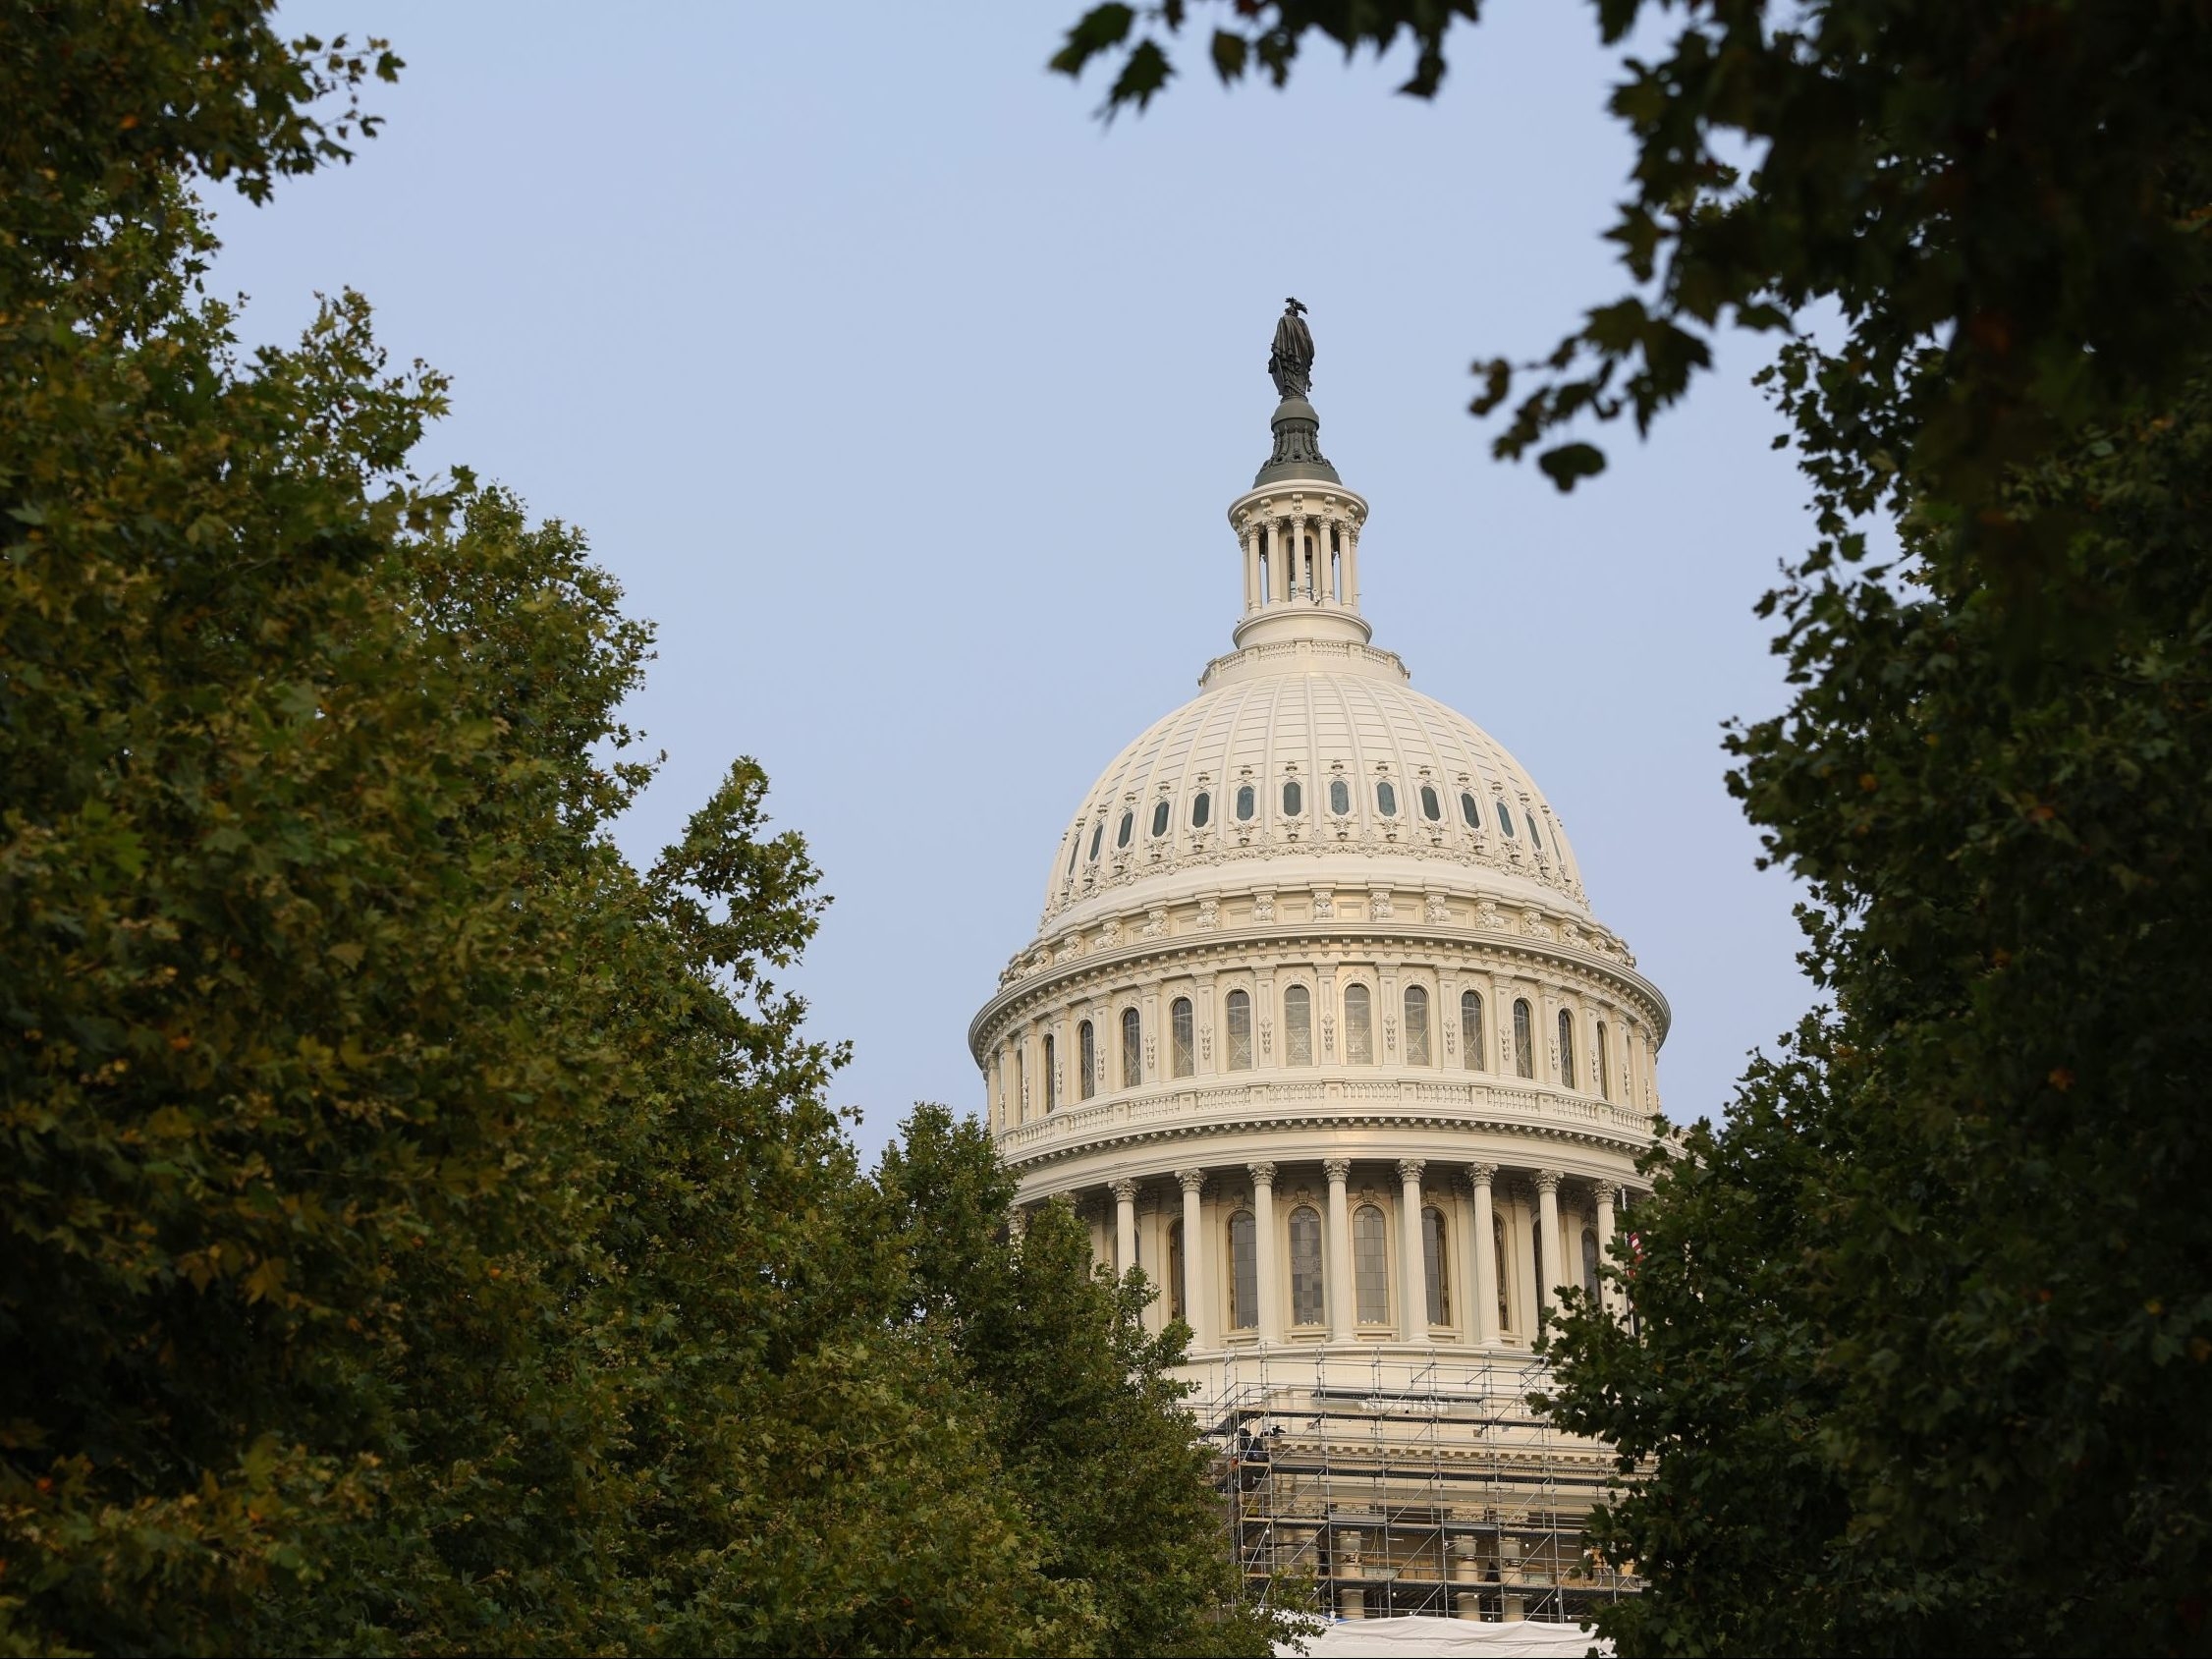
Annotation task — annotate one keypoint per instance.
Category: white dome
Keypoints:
(1338, 720)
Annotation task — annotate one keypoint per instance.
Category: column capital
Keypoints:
(1337, 1170)
(1263, 1175)
(1017, 1223)
(1191, 1180)
(1482, 1175)
(1409, 1169)
(1547, 1181)
(1124, 1189)
(1606, 1192)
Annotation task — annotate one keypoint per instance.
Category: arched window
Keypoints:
(1370, 1266)
(1159, 819)
(1431, 808)
(1087, 1058)
(1498, 1267)
(1305, 1266)
(1599, 1065)
(1201, 809)
(1294, 798)
(1129, 824)
(1436, 1263)
(1051, 1073)
(1132, 1049)
(1248, 803)
(1175, 1309)
(1470, 810)
(1340, 796)
(1239, 1011)
(1180, 1038)
(1504, 819)
(1473, 1040)
(1416, 1026)
(1358, 1026)
(1386, 799)
(1589, 1262)
(1097, 835)
(1523, 1039)
(1243, 1273)
(1297, 1025)
(1566, 1049)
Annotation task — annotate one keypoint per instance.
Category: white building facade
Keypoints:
(1319, 1031)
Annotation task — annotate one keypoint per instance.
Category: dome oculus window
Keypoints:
(1129, 826)
(1535, 840)
(1431, 808)
(1386, 799)
(1201, 809)
(1248, 803)
(1294, 798)
(1504, 819)
(1160, 819)
(1340, 796)
(1097, 837)
(1470, 810)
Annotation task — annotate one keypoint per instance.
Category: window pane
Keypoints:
(1297, 1025)
(1386, 800)
(1470, 811)
(1305, 1266)
(1370, 1266)
(1498, 1267)
(1472, 1038)
(1340, 796)
(1434, 1261)
(1160, 818)
(1566, 1049)
(1243, 1274)
(1239, 1031)
(1431, 808)
(1128, 823)
(1132, 1049)
(1179, 1037)
(1293, 799)
(1416, 1026)
(1074, 849)
(1087, 1058)
(1504, 819)
(1523, 1039)
(1202, 808)
(1358, 1026)
(1248, 803)
(1533, 837)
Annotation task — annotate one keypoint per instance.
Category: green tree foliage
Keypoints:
(1922, 1328)
(425, 1231)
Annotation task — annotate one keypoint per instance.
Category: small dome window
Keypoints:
(1470, 810)
(1097, 836)
(1129, 824)
(1532, 835)
(1248, 803)
(1201, 809)
(1075, 848)
(1386, 799)
(1431, 808)
(1294, 798)
(1160, 819)
(1340, 796)
(1504, 819)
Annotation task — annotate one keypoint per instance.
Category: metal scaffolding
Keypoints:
(1407, 1485)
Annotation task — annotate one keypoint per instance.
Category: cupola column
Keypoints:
(1485, 1324)
(1413, 1322)
(1125, 1224)
(1339, 1172)
(1264, 1242)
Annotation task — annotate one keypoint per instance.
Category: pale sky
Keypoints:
(907, 399)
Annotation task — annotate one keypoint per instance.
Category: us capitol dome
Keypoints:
(1318, 1029)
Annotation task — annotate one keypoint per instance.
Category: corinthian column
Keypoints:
(1413, 1322)
(1193, 1279)
(1607, 1191)
(1547, 1209)
(1125, 1224)
(1486, 1264)
(1263, 1250)
(1339, 1171)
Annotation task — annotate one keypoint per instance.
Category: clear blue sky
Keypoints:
(906, 399)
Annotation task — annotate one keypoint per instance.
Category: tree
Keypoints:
(1920, 1323)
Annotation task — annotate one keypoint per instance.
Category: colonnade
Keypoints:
(1293, 556)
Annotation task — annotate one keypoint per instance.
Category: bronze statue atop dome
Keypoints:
(1291, 362)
